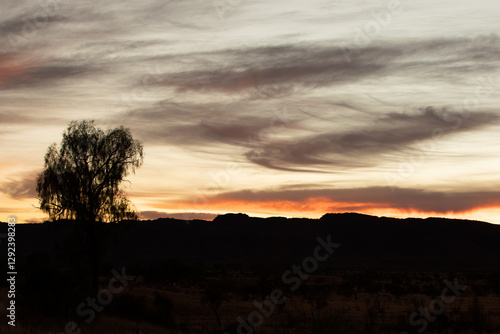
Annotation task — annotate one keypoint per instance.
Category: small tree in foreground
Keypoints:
(214, 294)
(82, 178)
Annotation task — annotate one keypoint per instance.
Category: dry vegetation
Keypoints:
(335, 302)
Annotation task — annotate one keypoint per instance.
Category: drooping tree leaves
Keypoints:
(81, 179)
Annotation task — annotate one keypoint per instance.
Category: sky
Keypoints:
(272, 108)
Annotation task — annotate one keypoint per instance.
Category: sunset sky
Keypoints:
(290, 108)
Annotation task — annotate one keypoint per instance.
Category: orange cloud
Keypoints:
(311, 207)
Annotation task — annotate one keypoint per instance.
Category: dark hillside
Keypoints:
(367, 242)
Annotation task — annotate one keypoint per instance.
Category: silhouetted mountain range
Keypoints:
(237, 240)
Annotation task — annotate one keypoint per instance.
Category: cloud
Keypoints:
(151, 215)
(291, 138)
(280, 70)
(358, 199)
(206, 125)
(41, 76)
(20, 186)
(25, 24)
(35, 220)
(363, 146)
(311, 71)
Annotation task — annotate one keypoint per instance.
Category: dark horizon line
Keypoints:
(246, 216)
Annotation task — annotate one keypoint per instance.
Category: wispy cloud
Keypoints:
(20, 186)
(45, 75)
(293, 143)
(363, 147)
(275, 69)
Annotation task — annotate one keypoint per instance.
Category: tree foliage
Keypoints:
(82, 178)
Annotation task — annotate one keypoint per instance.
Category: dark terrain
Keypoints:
(201, 276)
(368, 242)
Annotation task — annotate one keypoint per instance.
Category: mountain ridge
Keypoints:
(367, 242)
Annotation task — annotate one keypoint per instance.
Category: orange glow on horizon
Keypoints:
(311, 208)
(317, 207)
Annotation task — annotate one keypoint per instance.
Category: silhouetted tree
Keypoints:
(214, 294)
(317, 296)
(81, 180)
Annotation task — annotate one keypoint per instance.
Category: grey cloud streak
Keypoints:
(362, 147)
(323, 64)
(342, 146)
(20, 186)
(45, 76)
